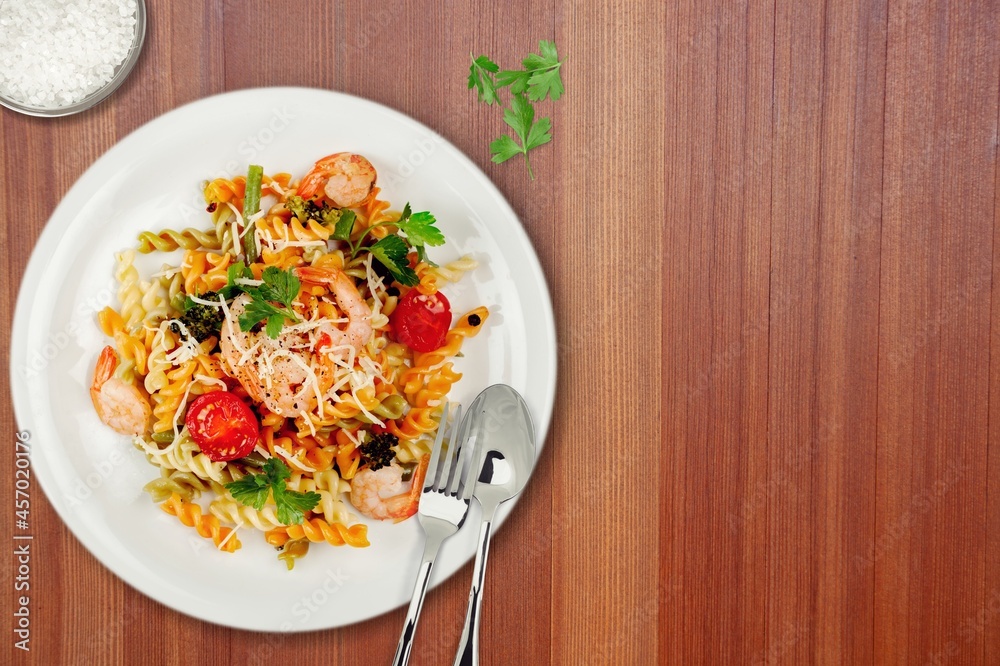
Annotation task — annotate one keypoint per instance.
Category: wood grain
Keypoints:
(768, 229)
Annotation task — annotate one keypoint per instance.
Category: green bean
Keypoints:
(251, 206)
(163, 437)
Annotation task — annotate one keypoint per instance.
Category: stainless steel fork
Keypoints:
(443, 506)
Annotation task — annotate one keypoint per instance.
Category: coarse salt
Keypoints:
(55, 53)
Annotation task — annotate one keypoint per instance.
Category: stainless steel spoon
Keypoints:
(500, 422)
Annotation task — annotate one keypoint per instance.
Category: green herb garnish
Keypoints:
(414, 231)
(521, 118)
(278, 287)
(480, 78)
(253, 490)
(540, 78)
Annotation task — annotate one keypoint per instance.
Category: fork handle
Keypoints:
(468, 647)
(405, 644)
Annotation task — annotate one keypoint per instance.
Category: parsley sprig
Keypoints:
(414, 230)
(253, 490)
(278, 286)
(540, 78)
(521, 118)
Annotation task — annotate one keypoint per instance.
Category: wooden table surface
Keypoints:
(768, 231)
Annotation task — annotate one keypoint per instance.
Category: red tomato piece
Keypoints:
(222, 425)
(421, 322)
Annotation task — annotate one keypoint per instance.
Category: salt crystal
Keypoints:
(56, 54)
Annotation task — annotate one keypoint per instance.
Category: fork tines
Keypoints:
(447, 471)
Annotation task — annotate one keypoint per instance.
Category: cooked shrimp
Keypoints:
(280, 372)
(359, 328)
(292, 372)
(380, 494)
(346, 178)
(120, 406)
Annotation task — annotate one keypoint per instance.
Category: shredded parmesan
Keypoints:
(181, 408)
(232, 532)
(187, 347)
(209, 381)
(167, 272)
(293, 460)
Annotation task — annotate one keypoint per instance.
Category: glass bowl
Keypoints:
(93, 99)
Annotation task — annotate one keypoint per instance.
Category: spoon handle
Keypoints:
(468, 647)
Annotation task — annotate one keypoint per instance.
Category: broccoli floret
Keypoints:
(201, 321)
(377, 453)
(304, 209)
(299, 207)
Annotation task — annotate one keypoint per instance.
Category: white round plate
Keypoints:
(153, 179)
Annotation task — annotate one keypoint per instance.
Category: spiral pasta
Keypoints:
(130, 291)
(206, 525)
(317, 530)
(230, 511)
(185, 484)
(168, 240)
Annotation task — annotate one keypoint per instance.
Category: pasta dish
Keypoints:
(290, 372)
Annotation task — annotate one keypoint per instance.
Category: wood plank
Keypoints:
(941, 128)
(847, 336)
(988, 620)
(713, 569)
(828, 117)
(611, 190)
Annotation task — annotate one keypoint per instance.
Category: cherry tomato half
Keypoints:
(222, 425)
(421, 322)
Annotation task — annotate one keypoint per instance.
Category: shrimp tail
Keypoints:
(412, 499)
(106, 364)
(323, 276)
(311, 185)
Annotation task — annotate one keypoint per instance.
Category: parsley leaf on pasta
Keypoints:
(237, 271)
(391, 252)
(278, 285)
(253, 489)
(293, 505)
(345, 225)
(419, 228)
(481, 78)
